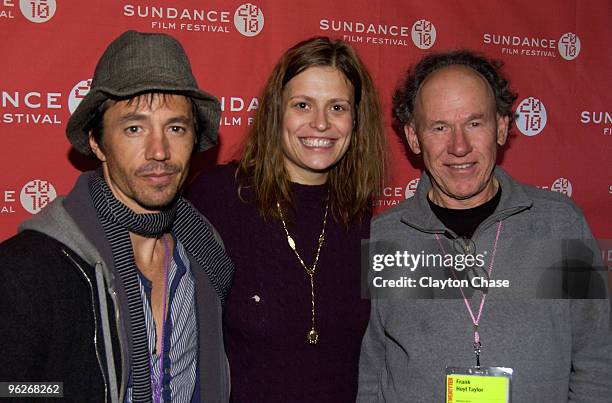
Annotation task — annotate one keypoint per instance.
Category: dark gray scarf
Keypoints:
(189, 227)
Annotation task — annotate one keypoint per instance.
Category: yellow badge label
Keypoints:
(477, 389)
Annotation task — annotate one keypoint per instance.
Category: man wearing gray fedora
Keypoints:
(116, 289)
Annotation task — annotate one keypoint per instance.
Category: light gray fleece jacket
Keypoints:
(560, 349)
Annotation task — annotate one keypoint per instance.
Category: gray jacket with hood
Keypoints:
(559, 347)
(65, 310)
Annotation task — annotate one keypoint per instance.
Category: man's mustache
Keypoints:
(158, 168)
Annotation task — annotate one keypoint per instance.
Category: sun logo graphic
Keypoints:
(531, 116)
(562, 185)
(36, 194)
(249, 19)
(37, 11)
(423, 34)
(569, 46)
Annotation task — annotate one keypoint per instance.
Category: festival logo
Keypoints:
(371, 33)
(37, 11)
(6, 9)
(411, 188)
(30, 107)
(393, 195)
(569, 46)
(531, 116)
(36, 194)
(600, 119)
(238, 110)
(562, 185)
(423, 34)
(249, 19)
(77, 93)
(7, 202)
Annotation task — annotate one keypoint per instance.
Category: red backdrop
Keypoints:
(557, 54)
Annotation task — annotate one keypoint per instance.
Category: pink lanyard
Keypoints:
(476, 319)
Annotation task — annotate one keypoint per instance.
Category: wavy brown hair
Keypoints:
(357, 177)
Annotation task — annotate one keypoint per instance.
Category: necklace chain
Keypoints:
(313, 336)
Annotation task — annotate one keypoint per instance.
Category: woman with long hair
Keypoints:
(292, 213)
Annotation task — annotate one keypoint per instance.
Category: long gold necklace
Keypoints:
(312, 336)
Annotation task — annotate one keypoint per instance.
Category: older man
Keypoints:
(529, 320)
(116, 289)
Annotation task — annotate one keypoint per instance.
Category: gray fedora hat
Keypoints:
(136, 63)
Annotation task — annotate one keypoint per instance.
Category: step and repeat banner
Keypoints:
(557, 55)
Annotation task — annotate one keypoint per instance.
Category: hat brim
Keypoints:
(208, 112)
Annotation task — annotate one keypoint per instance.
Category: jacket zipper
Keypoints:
(93, 308)
(502, 215)
(121, 344)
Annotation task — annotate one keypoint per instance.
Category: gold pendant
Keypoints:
(312, 337)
